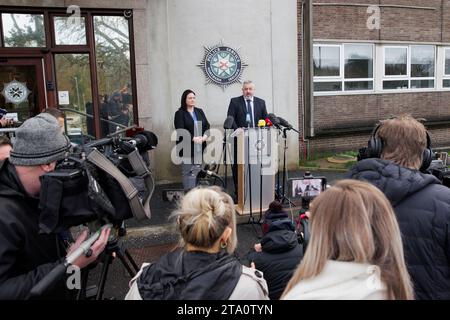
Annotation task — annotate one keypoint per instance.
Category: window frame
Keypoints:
(341, 78)
(47, 53)
(408, 77)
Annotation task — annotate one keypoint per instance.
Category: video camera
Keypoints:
(105, 180)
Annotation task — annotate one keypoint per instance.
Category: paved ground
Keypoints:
(148, 240)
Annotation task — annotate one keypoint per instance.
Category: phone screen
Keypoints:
(309, 187)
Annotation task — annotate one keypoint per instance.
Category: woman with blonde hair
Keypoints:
(204, 267)
(355, 250)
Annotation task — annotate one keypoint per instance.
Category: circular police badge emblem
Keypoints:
(15, 92)
(222, 65)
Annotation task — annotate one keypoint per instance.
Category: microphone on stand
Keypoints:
(247, 119)
(275, 121)
(268, 122)
(228, 124)
(261, 123)
(284, 123)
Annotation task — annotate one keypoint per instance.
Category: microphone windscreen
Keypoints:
(284, 123)
(228, 124)
(273, 118)
(268, 122)
(261, 123)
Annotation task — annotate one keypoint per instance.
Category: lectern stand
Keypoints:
(260, 147)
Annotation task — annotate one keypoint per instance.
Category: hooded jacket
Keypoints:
(25, 255)
(422, 207)
(195, 275)
(280, 255)
(341, 280)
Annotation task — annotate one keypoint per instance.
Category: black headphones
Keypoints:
(375, 148)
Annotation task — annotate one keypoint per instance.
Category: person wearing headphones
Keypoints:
(399, 154)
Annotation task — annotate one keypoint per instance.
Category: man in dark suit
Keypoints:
(246, 110)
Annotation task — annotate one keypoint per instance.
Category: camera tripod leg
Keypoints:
(102, 281)
(81, 295)
(131, 260)
(126, 265)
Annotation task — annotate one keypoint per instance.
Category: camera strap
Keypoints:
(141, 210)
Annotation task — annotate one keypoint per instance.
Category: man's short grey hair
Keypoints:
(247, 82)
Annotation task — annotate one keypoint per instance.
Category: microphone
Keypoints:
(268, 122)
(247, 118)
(284, 123)
(205, 172)
(228, 124)
(261, 123)
(273, 118)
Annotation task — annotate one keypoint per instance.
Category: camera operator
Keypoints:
(25, 255)
(421, 203)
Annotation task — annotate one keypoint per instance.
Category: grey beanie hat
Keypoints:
(39, 140)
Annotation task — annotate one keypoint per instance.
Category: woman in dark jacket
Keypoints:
(204, 267)
(190, 122)
(279, 252)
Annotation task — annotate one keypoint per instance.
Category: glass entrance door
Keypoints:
(22, 91)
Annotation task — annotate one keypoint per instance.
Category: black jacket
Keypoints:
(183, 120)
(280, 255)
(422, 207)
(238, 110)
(25, 256)
(182, 275)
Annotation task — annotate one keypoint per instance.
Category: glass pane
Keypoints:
(395, 61)
(112, 47)
(446, 83)
(328, 86)
(358, 85)
(422, 61)
(418, 84)
(326, 61)
(18, 91)
(358, 61)
(23, 30)
(447, 62)
(75, 95)
(70, 31)
(395, 84)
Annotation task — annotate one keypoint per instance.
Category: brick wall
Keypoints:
(346, 111)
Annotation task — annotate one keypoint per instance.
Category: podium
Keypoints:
(257, 156)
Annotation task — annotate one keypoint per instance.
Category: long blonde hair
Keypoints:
(203, 216)
(354, 221)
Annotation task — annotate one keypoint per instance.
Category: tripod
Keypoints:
(224, 155)
(113, 248)
(282, 196)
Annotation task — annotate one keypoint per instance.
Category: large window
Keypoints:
(409, 67)
(82, 64)
(347, 67)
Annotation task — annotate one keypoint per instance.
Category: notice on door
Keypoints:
(63, 97)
